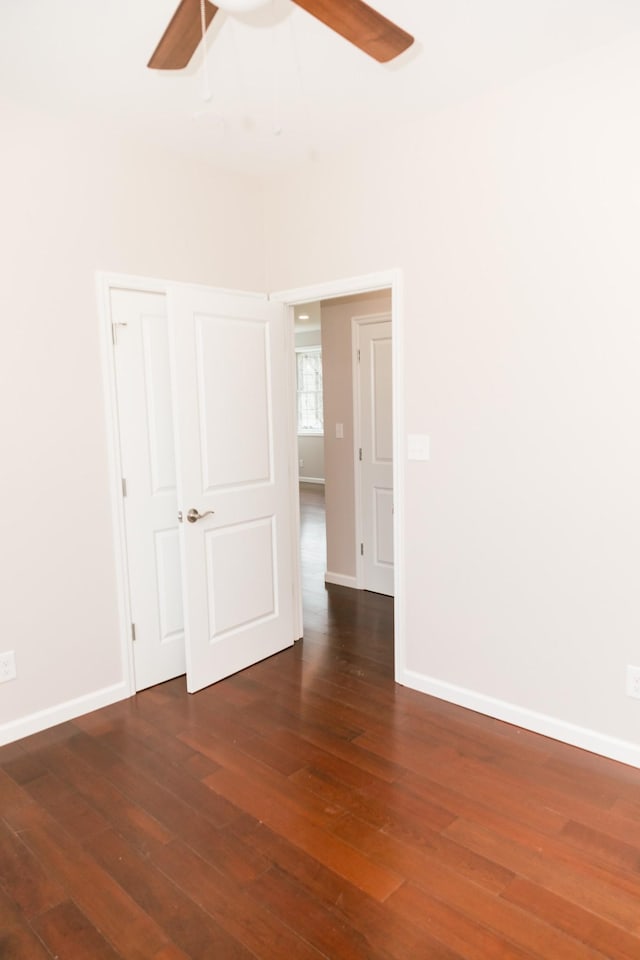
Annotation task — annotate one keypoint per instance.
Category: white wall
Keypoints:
(73, 201)
(515, 220)
(311, 459)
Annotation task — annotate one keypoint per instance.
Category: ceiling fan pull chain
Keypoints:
(206, 86)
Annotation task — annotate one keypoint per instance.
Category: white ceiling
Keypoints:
(285, 88)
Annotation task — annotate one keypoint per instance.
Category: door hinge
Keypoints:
(362, 549)
(114, 330)
(360, 454)
(124, 487)
(358, 355)
(133, 633)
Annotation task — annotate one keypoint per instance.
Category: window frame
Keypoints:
(317, 350)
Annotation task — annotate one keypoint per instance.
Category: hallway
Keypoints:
(339, 619)
(313, 539)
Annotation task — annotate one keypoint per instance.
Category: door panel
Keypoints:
(232, 357)
(242, 546)
(376, 465)
(383, 526)
(159, 415)
(143, 386)
(232, 414)
(379, 342)
(168, 575)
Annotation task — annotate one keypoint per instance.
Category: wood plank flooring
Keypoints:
(310, 808)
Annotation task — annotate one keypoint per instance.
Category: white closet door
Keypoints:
(143, 385)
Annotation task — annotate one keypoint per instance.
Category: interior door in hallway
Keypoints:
(374, 404)
(233, 417)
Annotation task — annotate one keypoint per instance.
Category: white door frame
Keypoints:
(388, 279)
(357, 323)
(367, 283)
(105, 282)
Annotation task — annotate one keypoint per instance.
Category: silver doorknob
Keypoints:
(193, 514)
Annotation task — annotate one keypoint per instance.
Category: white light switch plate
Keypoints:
(339, 431)
(418, 446)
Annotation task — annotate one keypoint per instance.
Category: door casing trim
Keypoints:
(368, 283)
(105, 283)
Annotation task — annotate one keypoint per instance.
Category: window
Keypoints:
(309, 390)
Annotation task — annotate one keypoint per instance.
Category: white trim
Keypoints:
(105, 284)
(341, 580)
(623, 751)
(357, 443)
(311, 480)
(368, 283)
(43, 719)
(122, 281)
(398, 394)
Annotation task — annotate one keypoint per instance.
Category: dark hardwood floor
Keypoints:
(311, 808)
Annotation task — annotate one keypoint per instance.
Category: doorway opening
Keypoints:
(250, 342)
(346, 514)
(310, 445)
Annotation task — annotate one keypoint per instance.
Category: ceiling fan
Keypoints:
(355, 20)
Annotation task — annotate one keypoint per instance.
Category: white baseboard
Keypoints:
(43, 719)
(601, 743)
(311, 480)
(340, 580)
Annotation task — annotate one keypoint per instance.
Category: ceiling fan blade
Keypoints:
(181, 38)
(362, 25)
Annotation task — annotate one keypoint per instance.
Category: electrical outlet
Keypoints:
(633, 682)
(7, 666)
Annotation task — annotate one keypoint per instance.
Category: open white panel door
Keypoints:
(231, 410)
